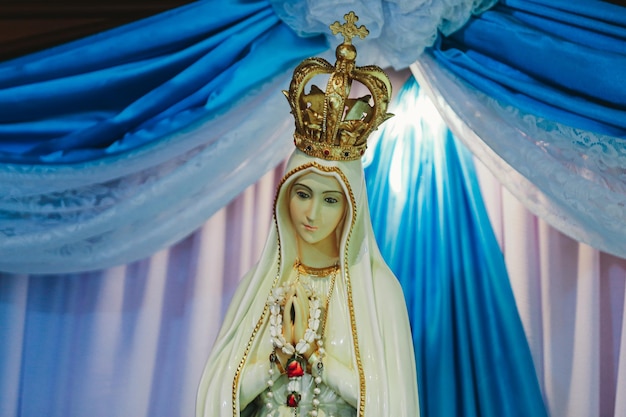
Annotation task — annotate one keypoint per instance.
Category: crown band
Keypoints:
(329, 152)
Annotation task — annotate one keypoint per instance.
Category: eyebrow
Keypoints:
(323, 192)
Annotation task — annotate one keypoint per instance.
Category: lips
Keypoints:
(310, 228)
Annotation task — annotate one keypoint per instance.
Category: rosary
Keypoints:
(278, 300)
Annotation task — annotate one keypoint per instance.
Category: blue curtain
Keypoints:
(121, 144)
(537, 90)
(558, 59)
(113, 92)
(432, 228)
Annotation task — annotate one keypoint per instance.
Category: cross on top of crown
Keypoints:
(349, 29)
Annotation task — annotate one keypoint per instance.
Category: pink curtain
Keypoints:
(571, 301)
(129, 341)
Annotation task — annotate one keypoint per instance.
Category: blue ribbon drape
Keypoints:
(558, 59)
(432, 228)
(115, 91)
(119, 145)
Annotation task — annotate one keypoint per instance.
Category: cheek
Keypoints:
(293, 208)
(335, 216)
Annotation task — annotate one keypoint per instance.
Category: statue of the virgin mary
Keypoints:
(319, 326)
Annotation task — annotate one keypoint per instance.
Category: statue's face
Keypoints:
(316, 205)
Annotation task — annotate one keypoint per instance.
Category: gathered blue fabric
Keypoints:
(119, 145)
(399, 30)
(557, 59)
(113, 92)
(116, 91)
(432, 228)
(537, 90)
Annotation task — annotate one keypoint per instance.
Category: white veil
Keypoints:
(380, 339)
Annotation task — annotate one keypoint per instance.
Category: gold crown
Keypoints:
(330, 125)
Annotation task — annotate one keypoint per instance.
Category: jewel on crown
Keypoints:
(330, 124)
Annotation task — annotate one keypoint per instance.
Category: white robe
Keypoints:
(370, 360)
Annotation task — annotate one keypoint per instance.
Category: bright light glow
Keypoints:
(416, 120)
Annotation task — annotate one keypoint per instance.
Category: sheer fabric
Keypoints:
(114, 211)
(536, 90)
(120, 144)
(399, 30)
(129, 341)
(471, 351)
(77, 217)
(571, 301)
(569, 177)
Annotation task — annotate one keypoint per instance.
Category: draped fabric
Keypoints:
(557, 59)
(214, 122)
(129, 341)
(433, 230)
(110, 212)
(535, 89)
(110, 93)
(120, 144)
(399, 30)
(571, 301)
(549, 170)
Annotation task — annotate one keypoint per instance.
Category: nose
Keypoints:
(313, 210)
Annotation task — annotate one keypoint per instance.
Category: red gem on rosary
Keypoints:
(294, 369)
(293, 399)
(326, 152)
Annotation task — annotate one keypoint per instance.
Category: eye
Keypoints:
(302, 194)
(331, 200)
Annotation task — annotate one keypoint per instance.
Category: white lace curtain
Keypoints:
(570, 177)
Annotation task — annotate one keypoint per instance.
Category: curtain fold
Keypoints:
(399, 31)
(571, 301)
(569, 177)
(562, 61)
(98, 213)
(120, 89)
(128, 341)
(536, 90)
(432, 228)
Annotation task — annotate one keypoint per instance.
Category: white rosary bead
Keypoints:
(270, 383)
(271, 371)
(313, 413)
(269, 405)
(318, 379)
(317, 391)
(316, 402)
(270, 394)
(320, 343)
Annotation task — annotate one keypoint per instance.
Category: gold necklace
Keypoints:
(316, 272)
